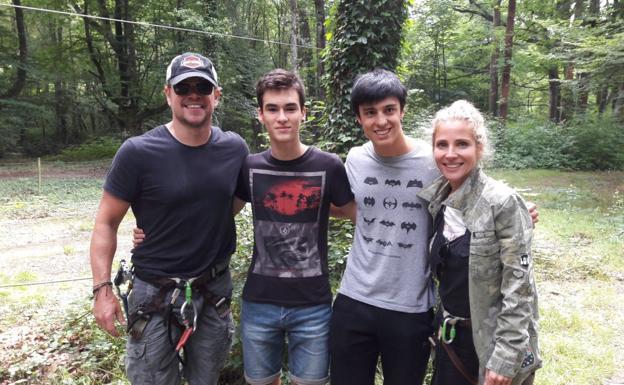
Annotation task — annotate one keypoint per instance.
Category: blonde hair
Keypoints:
(463, 110)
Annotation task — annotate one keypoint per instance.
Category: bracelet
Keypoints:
(97, 287)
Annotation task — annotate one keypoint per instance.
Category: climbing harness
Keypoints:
(181, 315)
(441, 336)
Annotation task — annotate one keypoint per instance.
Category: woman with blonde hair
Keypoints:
(481, 257)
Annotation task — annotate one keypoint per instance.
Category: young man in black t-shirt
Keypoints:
(287, 294)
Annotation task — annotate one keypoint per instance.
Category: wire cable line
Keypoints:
(146, 24)
(44, 282)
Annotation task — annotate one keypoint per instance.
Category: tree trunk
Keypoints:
(436, 83)
(493, 96)
(60, 98)
(602, 97)
(319, 8)
(124, 89)
(506, 75)
(566, 107)
(20, 78)
(306, 54)
(293, 36)
(618, 104)
(554, 88)
(567, 96)
(583, 92)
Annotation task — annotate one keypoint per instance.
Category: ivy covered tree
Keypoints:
(365, 35)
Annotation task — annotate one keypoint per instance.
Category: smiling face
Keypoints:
(282, 115)
(455, 150)
(381, 122)
(193, 110)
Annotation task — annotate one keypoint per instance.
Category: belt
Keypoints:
(214, 271)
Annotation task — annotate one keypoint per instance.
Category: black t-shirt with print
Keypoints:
(290, 202)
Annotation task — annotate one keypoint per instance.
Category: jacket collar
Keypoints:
(466, 196)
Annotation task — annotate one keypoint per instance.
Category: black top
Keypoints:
(181, 197)
(290, 202)
(449, 261)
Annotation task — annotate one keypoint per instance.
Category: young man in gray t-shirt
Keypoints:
(385, 300)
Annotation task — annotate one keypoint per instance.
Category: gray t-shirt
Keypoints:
(388, 265)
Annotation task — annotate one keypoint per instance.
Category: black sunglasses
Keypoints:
(203, 88)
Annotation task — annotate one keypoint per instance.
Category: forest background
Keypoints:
(79, 77)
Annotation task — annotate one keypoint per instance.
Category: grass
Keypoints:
(578, 248)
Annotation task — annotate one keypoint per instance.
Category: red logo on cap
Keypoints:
(192, 62)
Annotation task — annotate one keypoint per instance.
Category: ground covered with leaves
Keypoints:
(48, 336)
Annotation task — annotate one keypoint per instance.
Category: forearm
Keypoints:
(102, 251)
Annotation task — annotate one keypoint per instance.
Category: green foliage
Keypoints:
(445, 53)
(103, 147)
(588, 143)
(79, 352)
(579, 255)
(531, 144)
(340, 238)
(365, 35)
(21, 125)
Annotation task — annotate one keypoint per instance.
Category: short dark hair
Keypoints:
(280, 79)
(376, 85)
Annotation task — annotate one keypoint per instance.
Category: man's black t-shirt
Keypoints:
(181, 197)
(290, 202)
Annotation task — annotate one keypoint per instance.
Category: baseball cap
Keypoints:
(189, 65)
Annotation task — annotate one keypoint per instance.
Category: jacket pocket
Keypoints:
(484, 255)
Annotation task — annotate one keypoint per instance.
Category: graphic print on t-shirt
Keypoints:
(389, 228)
(287, 211)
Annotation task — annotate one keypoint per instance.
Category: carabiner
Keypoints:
(183, 313)
(453, 332)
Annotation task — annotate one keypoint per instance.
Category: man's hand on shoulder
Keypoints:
(138, 236)
(533, 212)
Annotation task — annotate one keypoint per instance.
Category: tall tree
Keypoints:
(20, 76)
(493, 96)
(365, 35)
(319, 12)
(294, 57)
(123, 89)
(508, 52)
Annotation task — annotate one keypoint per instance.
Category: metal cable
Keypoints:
(145, 24)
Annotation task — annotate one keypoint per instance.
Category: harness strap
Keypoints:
(450, 319)
(159, 305)
(214, 271)
(457, 362)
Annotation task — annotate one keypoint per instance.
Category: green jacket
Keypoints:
(502, 292)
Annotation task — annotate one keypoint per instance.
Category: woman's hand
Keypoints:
(493, 378)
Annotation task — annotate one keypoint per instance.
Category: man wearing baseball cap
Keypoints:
(179, 179)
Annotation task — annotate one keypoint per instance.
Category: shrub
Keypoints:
(598, 144)
(103, 147)
(588, 143)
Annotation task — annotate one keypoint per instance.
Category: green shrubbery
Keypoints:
(589, 143)
(103, 147)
